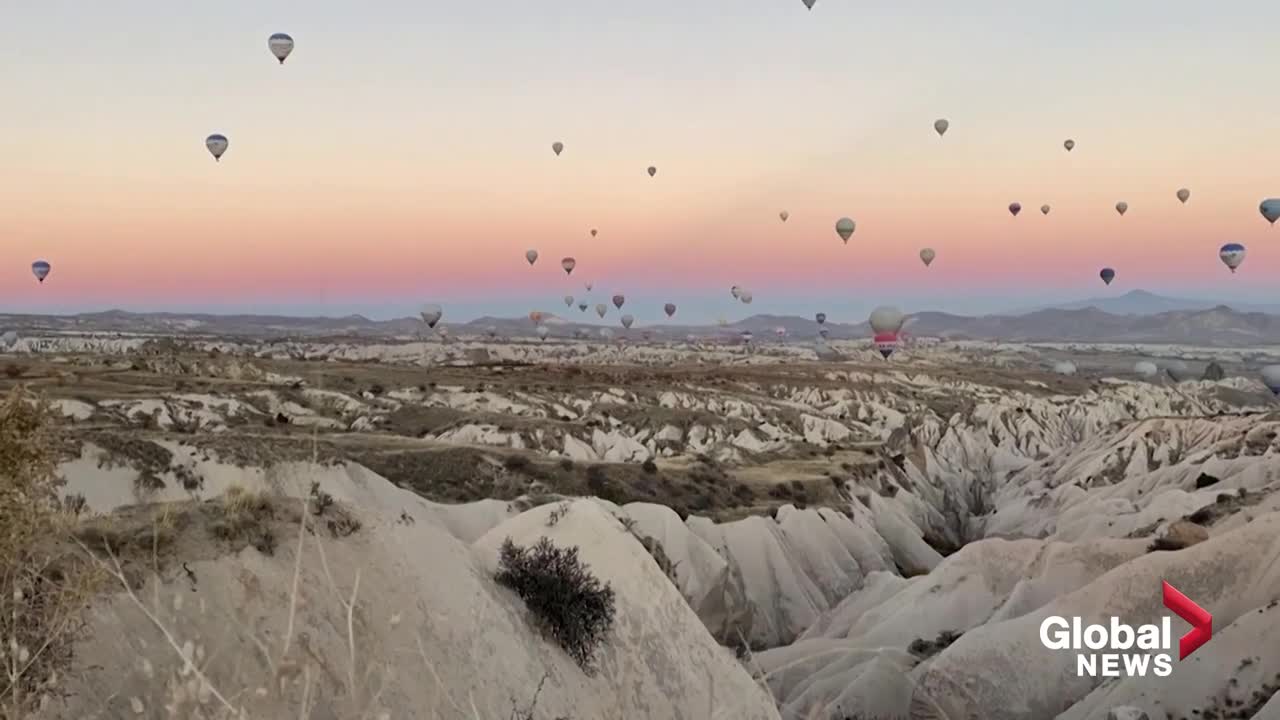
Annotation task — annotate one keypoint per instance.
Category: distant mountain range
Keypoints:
(1136, 317)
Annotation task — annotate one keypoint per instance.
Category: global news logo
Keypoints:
(1120, 650)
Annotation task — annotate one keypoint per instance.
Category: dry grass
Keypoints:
(43, 589)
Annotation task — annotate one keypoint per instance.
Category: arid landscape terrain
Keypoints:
(787, 536)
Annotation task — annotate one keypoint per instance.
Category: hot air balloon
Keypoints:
(780, 331)
(845, 228)
(1122, 207)
(927, 255)
(1184, 195)
(809, 3)
(940, 126)
(1146, 368)
(1271, 378)
(735, 291)
(824, 333)
(543, 331)
(1044, 209)
(886, 343)
(1069, 145)
(745, 297)
(601, 309)
(536, 317)
(491, 331)
(443, 332)
(618, 300)
(568, 301)
(1107, 275)
(652, 171)
(531, 256)
(594, 232)
(217, 144)
(669, 309)
(886, 319)
(9, 339)
(627, 320)
(568, 264)
(821, 318)
(431, 314)
(606, 333)
(784, 215)
(1064, 367)
(1179, 371)
(557, 148)
(582, 306)
(1015, 208)
(587, 286)
(1270, 209)
(41, 269)
(1232, 254)
(280, 45)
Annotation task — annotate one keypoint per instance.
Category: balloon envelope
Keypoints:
(940, 126)
(886, 343)
(1270, 378)
(431, 314)
(594, 232)
(627, 320)
(745, 297)
(669, 309)
(1069, 145)
(809, 3)
(820, 317)
(281, 45)
(1044, 209)
(1184, 195)
(9, 339)
(886, 319)
(1179, 370)
(1015, 208)
(543, 331)
(568, 301)
(557, 147)
(601, 309)
(217, 144)
(652, 171)
(1232, 255)
(568, 264)
(784, 215)
(927, 255)
(531, 256)
(1064, 367)
(845, 227)
(1270, 209)
(1107, 275)
(1146, 368)
(41, 269)
(1122, 207)
(618, 300)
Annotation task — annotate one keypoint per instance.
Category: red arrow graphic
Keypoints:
(1200, 619)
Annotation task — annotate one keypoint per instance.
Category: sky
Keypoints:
(402, 154)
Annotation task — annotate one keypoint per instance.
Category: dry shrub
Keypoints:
(43, 588)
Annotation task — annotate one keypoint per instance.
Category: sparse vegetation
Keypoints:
(570, 604)
(44, 589)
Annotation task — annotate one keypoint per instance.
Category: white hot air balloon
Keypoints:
(431, 314)
(217, 144)
(1271, 378)
(927, 255)
(1184, 195)
(627, 320)
(542, 332)
(557, 147)
(601, 309)
(745, 297)
(531, 256)
(1146, 368)
(568, 301)
(568, 264)
(9, 339)
(940, 126)
(1179, 371)
(41, 269)
(606, 333)
(1232, 254)
(886, 319)
(280, 45)
(1064, 367)
(844, 228)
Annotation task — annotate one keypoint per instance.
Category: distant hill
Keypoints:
(1216, 325)
(1142, 302)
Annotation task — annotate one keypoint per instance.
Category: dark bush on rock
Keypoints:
(570, 604)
